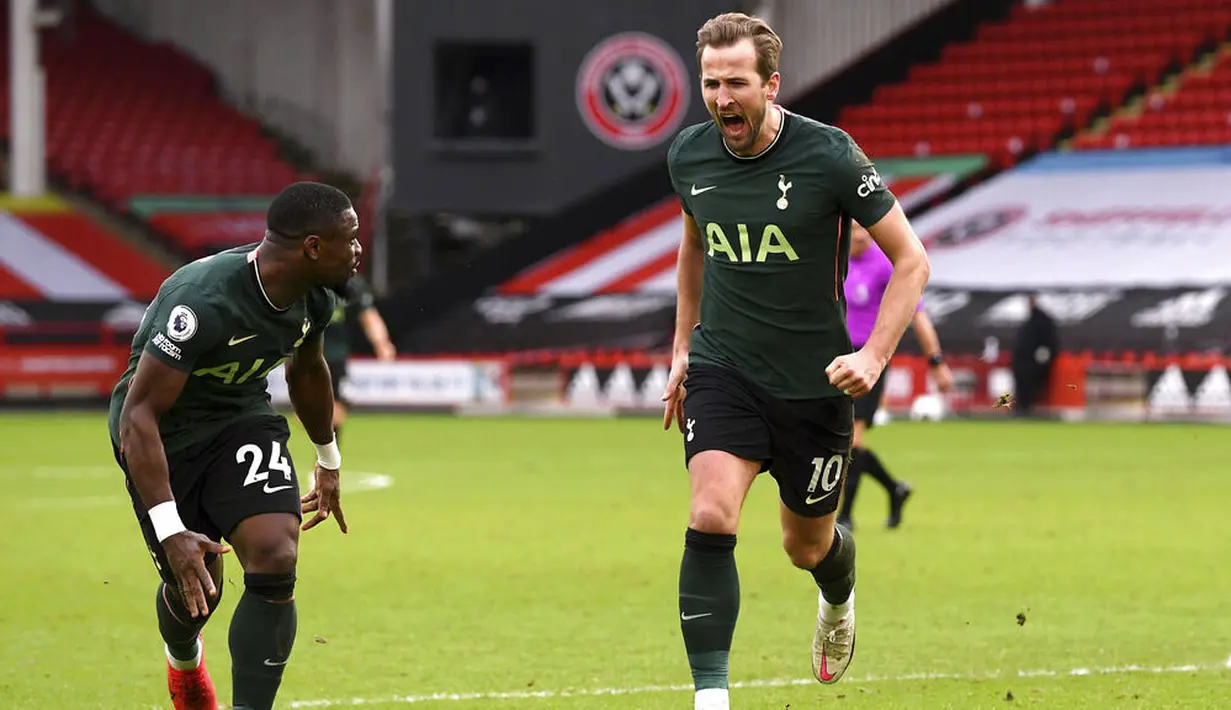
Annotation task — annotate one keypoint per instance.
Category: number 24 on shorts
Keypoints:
(277, 462)
(826, 472)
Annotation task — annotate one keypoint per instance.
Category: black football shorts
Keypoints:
(804, 444)
(245, 470)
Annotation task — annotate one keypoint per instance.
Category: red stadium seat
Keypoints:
(127, 118)
(1022, 84)
(1198, 113)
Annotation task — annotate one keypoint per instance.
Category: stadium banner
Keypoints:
(968, 321)
(1101, 219)
(411, 384)
(55, 372)
(1172, 388)
(1187, 392)
(1182, 389)
(634, 385)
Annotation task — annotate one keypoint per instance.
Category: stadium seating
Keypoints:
(1197, 112)
(1022, 84)
(127, 118)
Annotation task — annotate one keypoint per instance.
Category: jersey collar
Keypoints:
(256, 276)
(782, 128)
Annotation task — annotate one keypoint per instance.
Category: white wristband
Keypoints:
(166, 520)
(328, 456)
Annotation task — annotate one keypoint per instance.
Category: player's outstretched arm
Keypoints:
(689, 265)
(311, 392)
(154, 388)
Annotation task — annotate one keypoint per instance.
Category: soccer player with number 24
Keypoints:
(204, 454)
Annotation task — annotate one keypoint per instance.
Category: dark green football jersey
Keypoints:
(357, 297)
(776, 230)
(212, 318)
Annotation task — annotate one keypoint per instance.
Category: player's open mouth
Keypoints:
(732, 125)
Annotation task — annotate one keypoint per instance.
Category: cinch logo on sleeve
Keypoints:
(869, 183)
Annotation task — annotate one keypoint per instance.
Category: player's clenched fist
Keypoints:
(855, 374)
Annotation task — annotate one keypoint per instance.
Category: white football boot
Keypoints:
(834, 643)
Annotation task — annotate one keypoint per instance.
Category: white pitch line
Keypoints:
(361, 481)
(771, 683)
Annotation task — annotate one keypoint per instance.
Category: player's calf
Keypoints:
(188, 681)
(709, 582)
(180, 632)
(265, 622)
(833, 645)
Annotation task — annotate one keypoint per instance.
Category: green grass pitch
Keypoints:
(531, 564)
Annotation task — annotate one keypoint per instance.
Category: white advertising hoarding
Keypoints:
(412, 383)
(1145, 219)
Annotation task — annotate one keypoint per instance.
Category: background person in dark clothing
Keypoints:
(359, 300)
(1033, 353)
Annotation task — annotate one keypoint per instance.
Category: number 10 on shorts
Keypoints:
(826, 472)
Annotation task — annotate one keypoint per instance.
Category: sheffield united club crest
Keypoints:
(632, 91)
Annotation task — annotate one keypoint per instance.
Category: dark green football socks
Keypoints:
(709, 605)
(835, 575)
(262, 635)
(179, 630)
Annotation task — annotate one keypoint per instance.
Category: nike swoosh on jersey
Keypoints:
(276, 488)
(698, 190)
(235, 340)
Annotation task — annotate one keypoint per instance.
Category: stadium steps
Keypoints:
(1167, 87)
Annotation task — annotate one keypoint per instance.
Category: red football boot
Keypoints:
(192, 690)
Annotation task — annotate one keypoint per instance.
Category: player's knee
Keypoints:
(720, 481)
(276, 554)
(806, 552)
(712, 515)
(268, 543)
(274, 587)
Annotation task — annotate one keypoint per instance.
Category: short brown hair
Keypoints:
(731, 27)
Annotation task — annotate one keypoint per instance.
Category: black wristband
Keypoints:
(936, 360)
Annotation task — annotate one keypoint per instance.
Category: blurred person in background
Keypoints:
(1034, 350)
(866, 280)
(359, 300)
